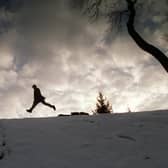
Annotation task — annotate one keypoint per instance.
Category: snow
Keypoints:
(132, 140)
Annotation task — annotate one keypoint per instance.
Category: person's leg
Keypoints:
(33, 106)
(49, 105)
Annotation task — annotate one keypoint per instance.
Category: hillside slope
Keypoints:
(133, 140)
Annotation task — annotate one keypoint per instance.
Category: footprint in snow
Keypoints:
(127, 137)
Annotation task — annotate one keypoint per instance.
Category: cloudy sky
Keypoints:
(51, 44)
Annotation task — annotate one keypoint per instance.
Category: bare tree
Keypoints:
(114, 11)
(160, 56)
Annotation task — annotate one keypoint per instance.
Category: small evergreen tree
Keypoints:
(102, 105)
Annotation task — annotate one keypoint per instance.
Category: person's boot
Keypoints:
(29, 110)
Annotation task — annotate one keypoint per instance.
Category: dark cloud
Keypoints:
(11, 5)
(7, 9)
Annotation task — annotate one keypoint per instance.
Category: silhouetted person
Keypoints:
(38, 98)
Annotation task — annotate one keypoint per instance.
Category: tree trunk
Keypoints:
(155, 52)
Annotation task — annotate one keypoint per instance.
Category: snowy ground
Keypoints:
(134, 140)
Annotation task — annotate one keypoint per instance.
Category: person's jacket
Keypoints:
(37, 95)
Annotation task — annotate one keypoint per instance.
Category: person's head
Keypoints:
(34, 86)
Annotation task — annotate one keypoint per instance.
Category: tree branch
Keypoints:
(155, 52)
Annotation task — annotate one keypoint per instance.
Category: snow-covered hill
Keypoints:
(134, 140)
